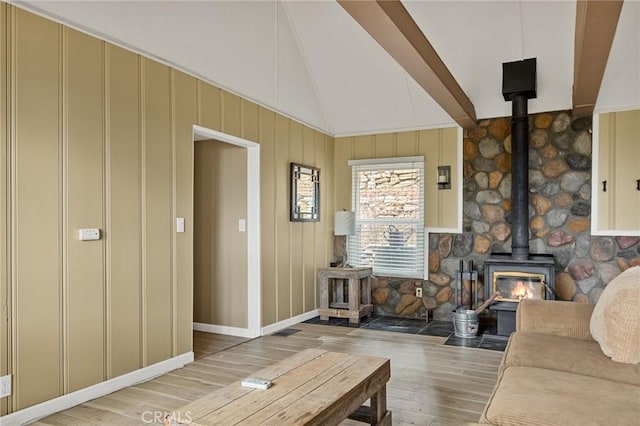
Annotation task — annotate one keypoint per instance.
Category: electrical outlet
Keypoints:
(5, 386)
(418, 291)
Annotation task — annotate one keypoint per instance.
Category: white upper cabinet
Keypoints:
(616, 171)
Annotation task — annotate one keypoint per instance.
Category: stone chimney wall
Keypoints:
(559, 212)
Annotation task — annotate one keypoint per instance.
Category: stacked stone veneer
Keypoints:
(559, 211)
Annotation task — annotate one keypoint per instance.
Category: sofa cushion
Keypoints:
(560, 318)
(615, 322)
(529, 395)
(528, 349)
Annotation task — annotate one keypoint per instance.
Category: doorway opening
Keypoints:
(248, 301)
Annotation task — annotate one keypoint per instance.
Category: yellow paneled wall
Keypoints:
(97, 136)
(220, 255)
(440, 147)
(4, 174)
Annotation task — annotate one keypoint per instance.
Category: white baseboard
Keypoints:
(281, 325)
(44, 409)
(224, 329)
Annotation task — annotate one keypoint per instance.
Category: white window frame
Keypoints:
(417, 269)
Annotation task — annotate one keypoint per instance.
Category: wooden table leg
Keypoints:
(354, 300)
(338, 286)
(379, 414)
(324, 296)
(366, 291)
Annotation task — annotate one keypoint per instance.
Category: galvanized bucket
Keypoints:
(465, 323)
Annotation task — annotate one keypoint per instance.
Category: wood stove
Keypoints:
(515, 280)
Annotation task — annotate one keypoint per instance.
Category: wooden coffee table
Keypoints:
(313, 387)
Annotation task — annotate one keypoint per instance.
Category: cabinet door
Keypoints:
(617, 162)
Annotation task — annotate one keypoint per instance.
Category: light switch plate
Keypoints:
(180, 224)
(5, 386)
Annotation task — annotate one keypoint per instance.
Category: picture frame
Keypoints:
(305, 193)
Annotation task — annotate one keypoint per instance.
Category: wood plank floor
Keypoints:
(431, 384)
(205, 344)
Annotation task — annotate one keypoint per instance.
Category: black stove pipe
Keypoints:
(520, 177)
(518, 86)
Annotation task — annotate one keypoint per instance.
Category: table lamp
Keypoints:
(345, 224)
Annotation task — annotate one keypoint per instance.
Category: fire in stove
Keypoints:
(522, 290)
(516, 286)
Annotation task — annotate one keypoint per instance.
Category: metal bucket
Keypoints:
(465, 323)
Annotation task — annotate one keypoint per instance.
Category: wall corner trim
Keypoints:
(72, 399)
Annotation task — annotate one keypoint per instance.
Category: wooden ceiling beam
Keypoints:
(596, 23)
(389, 23)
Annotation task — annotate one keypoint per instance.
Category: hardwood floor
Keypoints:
(205, 344)
(431, 384)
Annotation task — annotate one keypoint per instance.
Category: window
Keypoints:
(388, 200)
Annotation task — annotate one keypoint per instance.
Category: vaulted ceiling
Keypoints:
(315, 62)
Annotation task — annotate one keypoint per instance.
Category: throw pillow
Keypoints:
(615, 322)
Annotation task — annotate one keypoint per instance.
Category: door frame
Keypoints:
(254, 286)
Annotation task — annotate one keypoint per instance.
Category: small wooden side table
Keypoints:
(332, 295)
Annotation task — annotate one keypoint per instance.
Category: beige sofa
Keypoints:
(554, 373)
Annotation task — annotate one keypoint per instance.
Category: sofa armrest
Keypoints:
(564, 319)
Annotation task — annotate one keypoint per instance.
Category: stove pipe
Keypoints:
(518, 86)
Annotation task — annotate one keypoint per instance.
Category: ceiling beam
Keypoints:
(389, 23)
(596, 23)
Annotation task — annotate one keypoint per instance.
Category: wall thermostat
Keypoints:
(89, 234)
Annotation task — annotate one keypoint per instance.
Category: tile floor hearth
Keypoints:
(486, 339)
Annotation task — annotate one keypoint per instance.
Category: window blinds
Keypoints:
(388, 200)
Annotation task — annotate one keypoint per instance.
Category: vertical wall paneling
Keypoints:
(233, 276)
(157, 219)
(184, 89)
(604, 199)
(250, 131)
(626, 151)
(124, 212)
(231, 114)
(172, 215)
(84, 360)
(92, 135)
(35, 149)
(209, 106)
(297, 248)
(250, 121)
(282, 157)
(429, 143)
(448, 199)
(438, 146)
(204, 237)
(343, 150)
(328, 155)
(143, 211)
(5, 295)
(308, 228)
(385, 145)
(319, 260)
(364, 146)
(267, 120)
(221, 249)
(406, 144)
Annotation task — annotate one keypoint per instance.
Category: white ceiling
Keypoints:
(311, 61)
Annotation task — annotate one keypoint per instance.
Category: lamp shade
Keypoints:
(345, 223)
